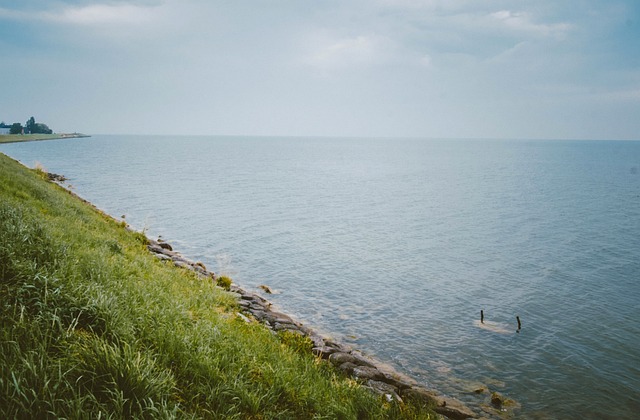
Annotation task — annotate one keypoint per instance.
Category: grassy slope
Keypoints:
(18, 138)
(92, 324)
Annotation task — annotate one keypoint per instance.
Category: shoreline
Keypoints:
(94, 325)
(21, 138)
(380, 378)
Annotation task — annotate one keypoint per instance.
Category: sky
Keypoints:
(548, 69)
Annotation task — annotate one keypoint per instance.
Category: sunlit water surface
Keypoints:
(394, 246)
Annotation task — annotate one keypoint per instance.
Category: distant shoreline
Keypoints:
(17, 138)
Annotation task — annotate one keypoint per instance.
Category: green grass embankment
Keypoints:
(17, 138)
(93, 326)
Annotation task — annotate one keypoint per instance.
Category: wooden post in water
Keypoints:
(519, 324)
(481, 316)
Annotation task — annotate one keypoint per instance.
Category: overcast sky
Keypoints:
(410, 68)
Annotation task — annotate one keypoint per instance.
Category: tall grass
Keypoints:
(92, 326)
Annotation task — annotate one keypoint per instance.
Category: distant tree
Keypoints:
(16, 128)
(30, 125)
(41, 128)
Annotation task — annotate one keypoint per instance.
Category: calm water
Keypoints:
(394, 246)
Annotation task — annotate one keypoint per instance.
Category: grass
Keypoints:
(17, 138)
(93, 326)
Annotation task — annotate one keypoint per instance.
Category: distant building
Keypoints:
(4, 130)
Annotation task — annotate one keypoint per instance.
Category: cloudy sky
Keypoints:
(411, 68)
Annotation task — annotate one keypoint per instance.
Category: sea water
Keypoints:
(395, 245)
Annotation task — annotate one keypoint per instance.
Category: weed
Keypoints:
(224, 282)
(298, 343)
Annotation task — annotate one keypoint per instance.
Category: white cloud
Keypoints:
(98, 14)
(624, 95)
(440, 6)
(89, 15)
(349, 52)
(520, 21)
(11, 14)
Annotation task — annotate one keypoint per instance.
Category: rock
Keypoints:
(255, 298)
(337, 346)
(155, 248)
(180, 259)
(265, 288)
(399, 384)
(162, 257)
(165, 245)
(307, 331)
(347, 368)
(382, 388)
(199, 269)
(257, 306)
(449, 407)
(55, 177)
(235, 289)
(323, 351)
(280, 317)
(201, 276)
(316, 339)
(497, 400)
(339, 358)
(259, 315)
(421, 394)
(282, 327)
(366, 372)
(182, 264)
(362, 360)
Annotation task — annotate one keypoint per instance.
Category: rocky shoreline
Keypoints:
(374, 375)
(379, 378)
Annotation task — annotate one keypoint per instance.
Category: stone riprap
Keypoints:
(379, 378)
